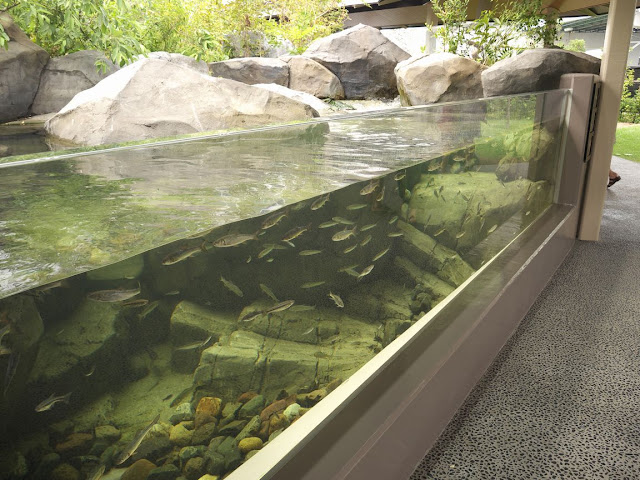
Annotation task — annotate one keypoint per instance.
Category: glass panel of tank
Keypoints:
(255, 272)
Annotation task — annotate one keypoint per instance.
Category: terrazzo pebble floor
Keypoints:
(562, 399)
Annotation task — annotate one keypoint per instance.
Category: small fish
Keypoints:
(51, 286)
(12, 366)
(269, 260)
(328, 224)
(234, 239)
(148, 309)
(172, 293)
(393, 219)
(436, 193)
(394, 234)
(5, 351)
(4, 330)
(400, 175)
(96, 473)
(380, 196)
(442, 198)
(369, 188)
(110, 296)
(90, 372)
(181, 255)
(248, 317)
(492, 228)
(196, 345)
(307, 332)
(350, 267)
(312, 284)
(344, 234)
(366, 240)
(407, 195)
(135, 443)
(51, 401)
(319, 203)
(273, 220)
(291, 244)
(368, 227)
(302, 308)
(433, 168)
(366, 271)
(460, 234)
(299, 206)
(343, 221)
(350, 249)
(231, 286)
(441, 189)
(139, 302)
(458, 159)
(464, 197)
(183, 394)
(306, 253)
(295, 232)
(351, 272)
(381, 254)
(527, 214)
(280, 307)
(336, 299)
(248, 259)
(357, 206)
(266, 251)
(440, 232)
(268, 292)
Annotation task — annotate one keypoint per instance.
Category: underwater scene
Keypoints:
(241, 308)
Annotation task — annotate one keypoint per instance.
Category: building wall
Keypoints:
(595, 43)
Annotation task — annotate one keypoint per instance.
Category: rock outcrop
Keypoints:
(154, 98)
(20, 68)
(362, 58)
(535, 70)
(442, 77)
(64, 77)
(306, 75)
(179, 59)
(252, 70)
(306, 98)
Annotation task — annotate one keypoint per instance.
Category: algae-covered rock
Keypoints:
(129, 268)
(437, 288)
(192, 323)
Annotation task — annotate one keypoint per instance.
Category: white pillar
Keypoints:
(612, 72)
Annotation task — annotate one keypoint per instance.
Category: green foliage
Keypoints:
(493, 35)
(627, 145)
(207, 30)
(65, 26)
(630, 103)
(576, 45)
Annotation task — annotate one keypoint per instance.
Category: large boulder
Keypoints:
(178, 58)
(64, 77)
(154, 98)
(362, 58)
(306, 75)
(535, 70)
(252, 70)
(442, 77)
(315, 103)
(20, 68)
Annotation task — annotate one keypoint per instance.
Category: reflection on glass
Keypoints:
(269, 266)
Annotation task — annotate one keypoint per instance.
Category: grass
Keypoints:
(627, 142)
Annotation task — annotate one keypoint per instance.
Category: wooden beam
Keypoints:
(612, 73)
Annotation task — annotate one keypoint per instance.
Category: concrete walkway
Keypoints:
(562, 400)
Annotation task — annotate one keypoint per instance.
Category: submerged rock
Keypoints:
(64, 77)
(21, 65)
(138, 470)
(155, 98)
(362, 58)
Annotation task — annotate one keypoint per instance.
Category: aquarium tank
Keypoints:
(172, 307)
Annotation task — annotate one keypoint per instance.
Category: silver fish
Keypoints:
(196, 345)
(268, 292)
(380, 196)
(181, 254)
(400, 175)
(492, 228)
(136, 303)
(110, 296)
(307, 332)
(4, 330)
(5, 351)
(295, 232)
(337, 300)
(343, 234)
(369, 188)
(328, 224)
(247, 317)
(312, 284)
(306, 253)
(135, 443)
(343, 221)
(366, 240)
(393, 219)
(394, 234)
(90, 372)
(319, 203)
(234, 239)
(350, 249)
(380, 254)
(280, 307)
(51, 401)
(460, 234)
(366, 271)
(266, 251)
(231, 286)
(440, 232)
(148, 309)
(12, 366)
(357, 206)
(273, 220)
(96, 474)
(368, 227)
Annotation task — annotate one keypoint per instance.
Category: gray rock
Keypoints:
(20, 68)
(187, 453)
(214, 462)
(154, 98)
(252, 407)
(535, 70)
(251, 429)
(107, 432)
(12, 465)
(307, 75)
(231, 409)
(64, 77)
(232, 428)
(202, 435)
(177, 58)
(252, 70)
(362, 58)
(183, 413)
(232, 455)
(192, 323)
(306, 98)
(194, 468)
(166, 472)
(442, 77)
